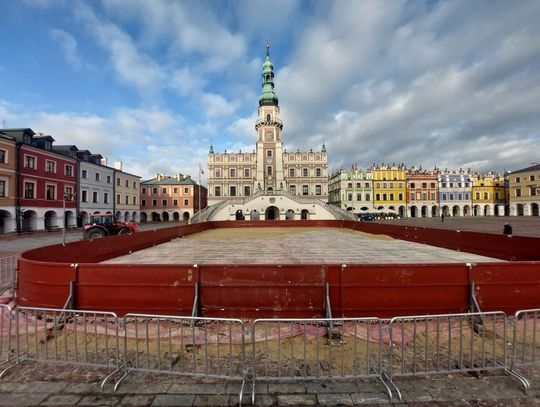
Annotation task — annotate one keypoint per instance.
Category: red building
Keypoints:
(44, 177)
(167, 198)
(422, 194)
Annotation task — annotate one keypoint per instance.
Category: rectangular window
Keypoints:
(175, 202)
(349, 197)
(2, 156)
(134, 185)
(84, 196)
(451, 185)
(154, 202)
(368, 197)
(117, 182)
(217, 191)
(164, 202)
(246, 172)
(175, 190)
(518, 179)
(424, 196)
(424, 185)
(451, 197)
(413, 197)
(432, 185)
(144, 190)
(247, 190)
(366, 185)
(94, 197)
(84, 174)
(29, 188)
(29, 162)
(291, 172)
(349, 185)
(127, 183)
(443, 185)
(460, 197)
(68, 170)
(218, 173)
(478, 196)
(108, 179)
(391, 185)
(154, 191)
(532, 191)
(127, 200)
(105, 197)
(400, 196)
(68, 193)
(292, 189)
(143, 202)
(305, 172)
(51, 192)
(317, 172)
(186, 190)
(118, 199)
(186, 202)
(497, 196)
(269, 170)
(232, 173)
(466, 185)
(358, 185)
(384, 185)
(163, 190)
(384, 197)
(432, 196)
(378, 197)
(444, 197)
(50, 166)
(532, 178)
(391, 197)
(358, 197)
(134, 200)
(305, 190)
(378, 185)
(486, 195)
(98, 176)
(269, 153)
(232, 191)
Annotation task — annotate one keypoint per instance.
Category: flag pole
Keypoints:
(199, 191)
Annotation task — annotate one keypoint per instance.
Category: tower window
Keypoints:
(217, 191)
(269, 153)
(268, 118)
(269, 170)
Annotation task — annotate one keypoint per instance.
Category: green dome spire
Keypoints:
(268, 96)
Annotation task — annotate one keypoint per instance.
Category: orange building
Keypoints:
(171, 198)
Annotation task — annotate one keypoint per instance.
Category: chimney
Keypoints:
(159, 176)
(179, 177)
(118, 165)
(104, 161)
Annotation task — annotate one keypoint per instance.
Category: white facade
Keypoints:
(96, 189)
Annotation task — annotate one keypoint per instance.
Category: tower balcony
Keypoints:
(274, 122)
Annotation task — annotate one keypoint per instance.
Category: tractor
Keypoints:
(102, 225)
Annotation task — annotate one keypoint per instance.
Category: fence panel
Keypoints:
(88, 338)
(8, 336)
(447, 343)
(8, 272)
(185, 346)
(316, 349)
(526, 338)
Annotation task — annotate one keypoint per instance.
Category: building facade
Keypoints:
(171, 198)
(422, 194)
(8, 179)
(268, 168)
(524, 191)
(488, 194)
(455, 193)
(351, 190)
(389, 189)
(127, 195)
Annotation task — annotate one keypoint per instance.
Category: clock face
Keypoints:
(269, 136)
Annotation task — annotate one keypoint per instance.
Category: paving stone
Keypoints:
(214, 400)
(286, 388)
(202, 388)
(334, 399)
(359, 398)
(22, 399)
(331, 387)
(297, 400)
(173, 400)
(37, 387)
(137, 400)
(99, 400)
(234, 388)
(264, 400)
(83, 388)
(61, 400)
(153, 388)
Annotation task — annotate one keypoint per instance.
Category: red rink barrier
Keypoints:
(255, 291)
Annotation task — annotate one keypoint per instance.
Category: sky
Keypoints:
(447, 84)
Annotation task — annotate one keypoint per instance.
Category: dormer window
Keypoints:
(48, 145)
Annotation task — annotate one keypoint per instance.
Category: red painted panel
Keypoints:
(153, 289)
(507, 287)
(42, 284)
(385, 290)
(500, 246)
(262, 290)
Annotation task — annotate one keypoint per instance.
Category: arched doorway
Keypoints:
(271, 213)
(424, 211)
(51, 220)
(84, 218)
(126, 217)
(118, 216)
(134, 217)
(165, 216)
(466, 210)
(414, 212)
(69, 219)
(401, 211)
(535, 209)
(176, 216)
(5, 221)
(143, 217)
(239, 215)
(455, 211)
(185, 216)
(476, 210)
(254, 215)
(487, 210)
(29, 220)
(289, 215)
(434, 211)
(445, 210)
(520, 209)
(156, 217)
(304, 215)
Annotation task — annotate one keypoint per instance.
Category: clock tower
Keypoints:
(269, 149)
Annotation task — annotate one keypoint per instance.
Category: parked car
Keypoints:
(366, 217)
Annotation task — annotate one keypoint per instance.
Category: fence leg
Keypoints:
(521, 379)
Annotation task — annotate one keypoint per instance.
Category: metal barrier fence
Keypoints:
(526, 338)
(317, 349)
(8, 272)
(188, 346)
(7, 334)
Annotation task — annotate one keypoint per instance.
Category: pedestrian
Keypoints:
(442, 217)
(507, 229)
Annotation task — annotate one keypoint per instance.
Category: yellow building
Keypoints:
(389, 189)
(524, 195)
(488, 194)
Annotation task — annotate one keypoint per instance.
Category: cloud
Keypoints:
(69, 46)
(216, 105)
